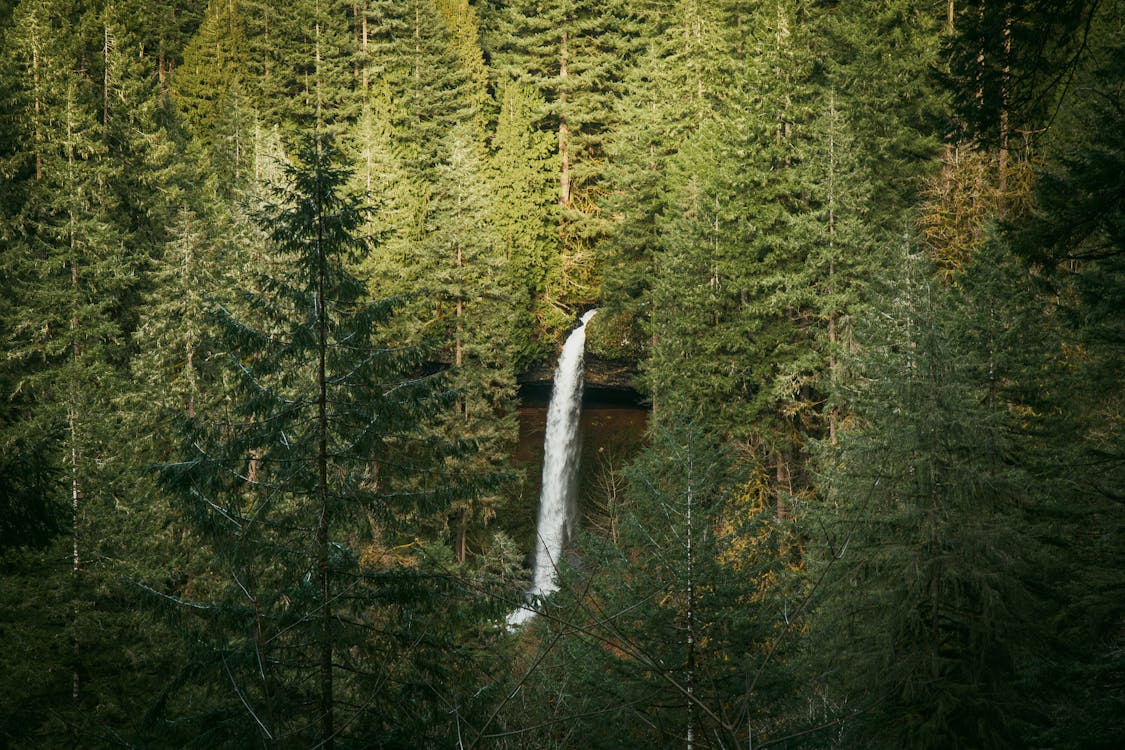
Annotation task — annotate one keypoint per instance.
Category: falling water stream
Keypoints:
(560, 469)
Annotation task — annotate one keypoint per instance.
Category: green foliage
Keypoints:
(929, 615)
(410, 57)
(724, 180)
(524, 215)
(672, 606)
(30, 512)
(880, 58)
(575, 54)
(323, 434)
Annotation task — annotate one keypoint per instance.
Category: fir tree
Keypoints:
(71, 268)
(680, 82)
(409, 51)
(524, 217)
(460, 263)
(927, 618)
(675, 606)
(287, 492)
(574, 53)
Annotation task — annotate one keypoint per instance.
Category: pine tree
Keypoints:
(928, 611)
(675, 608)
(71, 260)
(880, 60)
(288, 489)
(464, 29)
(460, 262)
(410, 52)
(382, 177)
(574, 53)
(164, 30)
(213, 68)
(1072, 243)
(687, 70)
(842, 253)
(524, 217)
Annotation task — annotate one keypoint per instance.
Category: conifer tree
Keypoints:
(460, 263)
(675, 606)
(928, 613)
(574, 53)
(382, 176)
(1073, 245)
(522, 176)
(288, 489)
(213, 68)
(842, 253)
(410, 52)
(687, 69)
(464, 29)
(164, 30)
(880, 60)
(70, 263)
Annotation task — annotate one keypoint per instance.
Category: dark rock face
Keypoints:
(608, 383)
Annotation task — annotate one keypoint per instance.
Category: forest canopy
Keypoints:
(273, 273)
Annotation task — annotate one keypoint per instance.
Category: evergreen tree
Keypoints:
(164, 30)
(383, 178)
(688, 68)
(410, 52)
(574, 53)
(676, 607)
(880, 60)
(288, 489)
(842, 253)
(213, 68)
(928, 615)
(1072, 241)
(464, 29)
(70, 258)
(524, 216)
(460, 265)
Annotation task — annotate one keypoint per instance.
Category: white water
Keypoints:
(560, 468)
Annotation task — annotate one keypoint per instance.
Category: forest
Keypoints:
(272, 274)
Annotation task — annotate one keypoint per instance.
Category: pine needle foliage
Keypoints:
(928, 608)
(316, 454)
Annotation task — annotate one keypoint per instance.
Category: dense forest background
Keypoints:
(270, 271)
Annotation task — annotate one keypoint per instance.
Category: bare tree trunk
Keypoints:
(458, 357)
(327, 730)
(782, 475)
(105, 75)
(832, 416)
(72, 406)
(38, 107)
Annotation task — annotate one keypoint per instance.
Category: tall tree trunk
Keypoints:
(1002, 166)
(832, 415)
(190, 345)
(74, 397)
(689, 677)
(326, 698)
(783, 483)
(105, 74)
(564, 127)
(38, 105)
(458, 356)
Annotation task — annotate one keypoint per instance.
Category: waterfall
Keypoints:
(560, 469)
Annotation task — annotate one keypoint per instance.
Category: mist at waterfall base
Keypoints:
(561, 453)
